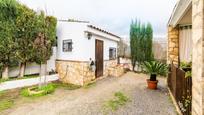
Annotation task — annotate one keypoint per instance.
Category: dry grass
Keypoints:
(7, 99)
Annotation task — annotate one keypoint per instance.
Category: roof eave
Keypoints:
(179, 11)
(104, 31)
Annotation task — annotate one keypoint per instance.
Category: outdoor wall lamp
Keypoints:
(88, 35)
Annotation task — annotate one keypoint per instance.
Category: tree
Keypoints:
(8, 16)
(140, 43)
(149, 42)
(45, 40)
(26, 33)
(134, 30)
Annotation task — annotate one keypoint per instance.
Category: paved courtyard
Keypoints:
(90, 101)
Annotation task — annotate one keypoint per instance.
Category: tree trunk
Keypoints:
(133, 66)
(22, 70)
(43, 69)
(5, 72)
(43, 73)
(118, 59)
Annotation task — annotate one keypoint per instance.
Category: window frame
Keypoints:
(112, 53)
(66, 45)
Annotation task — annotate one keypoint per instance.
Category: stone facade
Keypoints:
(198, 57)
(74, 72)
(173, 45)
(79, 73)
(107, 65)
(116, 71)
(113, 69)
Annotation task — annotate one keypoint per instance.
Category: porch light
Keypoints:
(88, 35)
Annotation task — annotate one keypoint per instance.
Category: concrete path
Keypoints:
(26, 82)
(91, 101)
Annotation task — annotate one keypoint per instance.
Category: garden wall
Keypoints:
(33, 68)
(74, 72)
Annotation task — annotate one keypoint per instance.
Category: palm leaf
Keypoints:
(155, 67)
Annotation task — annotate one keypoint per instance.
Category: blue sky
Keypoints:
(112, 15)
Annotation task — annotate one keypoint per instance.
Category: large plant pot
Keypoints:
(152, 84)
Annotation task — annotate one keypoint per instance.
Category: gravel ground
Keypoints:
(90, 101)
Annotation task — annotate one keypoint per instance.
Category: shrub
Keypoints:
(184, 64)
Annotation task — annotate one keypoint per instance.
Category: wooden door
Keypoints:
(99, 58)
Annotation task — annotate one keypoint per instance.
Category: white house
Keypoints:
(78, 44)
(80, 47)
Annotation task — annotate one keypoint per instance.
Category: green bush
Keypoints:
(184, 64)
(44, 90)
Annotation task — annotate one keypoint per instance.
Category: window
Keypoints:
(67, 45)
(112, 53)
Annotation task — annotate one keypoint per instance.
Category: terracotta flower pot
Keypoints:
(152, 84)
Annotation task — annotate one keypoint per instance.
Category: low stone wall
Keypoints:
(113, 69)
(79, 73)
(74, 72)
(108, 64)
(116, 71)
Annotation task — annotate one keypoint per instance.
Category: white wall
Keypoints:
(33, 68)
(106, 45)
(83, 49)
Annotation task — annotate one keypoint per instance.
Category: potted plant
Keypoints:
(154, 68)
(186, 66)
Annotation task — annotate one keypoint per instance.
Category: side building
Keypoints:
(85, 52)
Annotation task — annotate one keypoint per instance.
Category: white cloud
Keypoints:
(113, 15)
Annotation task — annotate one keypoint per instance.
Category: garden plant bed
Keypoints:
(38, 91)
